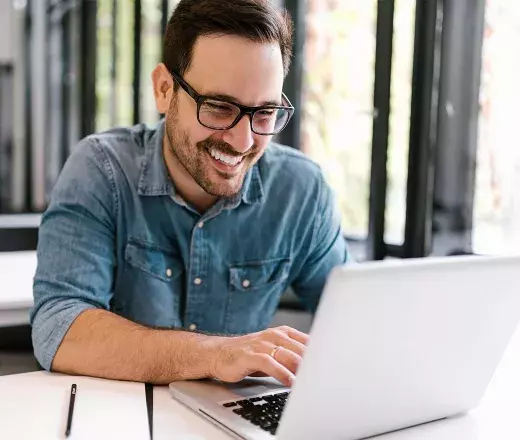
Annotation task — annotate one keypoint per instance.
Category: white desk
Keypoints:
(41, 398)
(16, 281)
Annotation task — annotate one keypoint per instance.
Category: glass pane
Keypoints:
(398, 142)
(497, 197)
(338, 100)
(151, 41)
(103, 64)
(124, 62)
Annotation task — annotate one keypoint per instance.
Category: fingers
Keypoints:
(302, 338)
(266, 364)
(288, 358)
(280, 337)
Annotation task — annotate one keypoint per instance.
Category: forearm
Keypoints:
(102, 344)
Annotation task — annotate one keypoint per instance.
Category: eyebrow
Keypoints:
(224, 97)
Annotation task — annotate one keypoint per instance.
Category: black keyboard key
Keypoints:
(266, 425)
(255, 399)
(230, 404)
(245, 403)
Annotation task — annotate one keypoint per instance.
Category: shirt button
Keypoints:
(168, 272)
(197, 281)
(200, 225)
(246, 283)
(193, 327)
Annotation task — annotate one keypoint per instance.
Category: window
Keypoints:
(114, 63)
(338, 105)
(338, 101)
(400, 106)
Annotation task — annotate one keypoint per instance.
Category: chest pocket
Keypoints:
(255, 290)
(152, 285)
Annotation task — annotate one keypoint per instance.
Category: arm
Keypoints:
(102, 344)
(327, 250)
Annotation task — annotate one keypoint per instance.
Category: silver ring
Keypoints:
(274, 350)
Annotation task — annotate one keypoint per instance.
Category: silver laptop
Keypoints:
(393, 344)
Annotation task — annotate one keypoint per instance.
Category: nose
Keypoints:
(240, 137)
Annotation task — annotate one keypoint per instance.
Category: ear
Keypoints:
(162, 87)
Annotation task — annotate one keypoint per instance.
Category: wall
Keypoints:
(6, 39)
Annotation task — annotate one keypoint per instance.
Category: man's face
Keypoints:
(250, 74)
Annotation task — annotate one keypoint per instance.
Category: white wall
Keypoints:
(6, 31)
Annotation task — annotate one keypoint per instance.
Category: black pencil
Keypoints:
(71, 408)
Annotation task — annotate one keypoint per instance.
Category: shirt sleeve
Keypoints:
(328, 249)
(76, 248)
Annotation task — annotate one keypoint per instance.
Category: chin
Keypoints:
(220, 189)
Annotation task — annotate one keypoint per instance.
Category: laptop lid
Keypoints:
(399, 343)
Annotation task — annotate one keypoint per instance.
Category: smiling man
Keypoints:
(164, 251)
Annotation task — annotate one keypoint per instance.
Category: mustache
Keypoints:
(224, 147)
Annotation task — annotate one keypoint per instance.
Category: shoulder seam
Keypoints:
(109, 170)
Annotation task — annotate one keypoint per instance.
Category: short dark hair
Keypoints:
(257, 20)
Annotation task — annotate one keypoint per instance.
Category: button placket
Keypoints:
(196, 290)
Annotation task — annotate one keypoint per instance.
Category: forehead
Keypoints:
(225, 64)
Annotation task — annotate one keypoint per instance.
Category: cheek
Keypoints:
(188, 123)
(196, 132)
(262, 142)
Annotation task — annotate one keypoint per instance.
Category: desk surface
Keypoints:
(16, 280)
(41, 398)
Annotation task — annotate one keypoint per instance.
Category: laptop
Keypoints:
(393, 344)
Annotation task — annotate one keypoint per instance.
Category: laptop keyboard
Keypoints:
(264, 412)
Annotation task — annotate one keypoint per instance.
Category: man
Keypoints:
(159, 242)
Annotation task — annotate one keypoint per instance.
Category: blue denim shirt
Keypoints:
(117, 237)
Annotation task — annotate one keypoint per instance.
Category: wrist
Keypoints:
(211, 353)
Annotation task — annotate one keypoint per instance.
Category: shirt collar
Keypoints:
(252, 189)
(155, 181)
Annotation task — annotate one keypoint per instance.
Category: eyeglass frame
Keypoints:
(244, 109)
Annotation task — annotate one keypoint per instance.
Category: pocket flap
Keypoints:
(156, 261)
(256, 275)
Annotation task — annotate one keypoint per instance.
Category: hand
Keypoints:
(241, 356)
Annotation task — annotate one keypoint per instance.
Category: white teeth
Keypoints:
(228, 160)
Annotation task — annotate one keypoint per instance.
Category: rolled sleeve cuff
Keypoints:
(50, 325)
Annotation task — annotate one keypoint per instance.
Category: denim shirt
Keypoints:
(116, 236)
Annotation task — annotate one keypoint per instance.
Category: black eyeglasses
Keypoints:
(222, 114)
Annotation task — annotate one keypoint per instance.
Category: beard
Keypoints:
(197, 161)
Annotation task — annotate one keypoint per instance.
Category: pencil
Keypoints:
(71, 409)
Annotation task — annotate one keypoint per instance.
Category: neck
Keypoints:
(184, 183)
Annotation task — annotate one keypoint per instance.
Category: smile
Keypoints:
(231, 161)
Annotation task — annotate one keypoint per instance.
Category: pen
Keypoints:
(71, 408)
